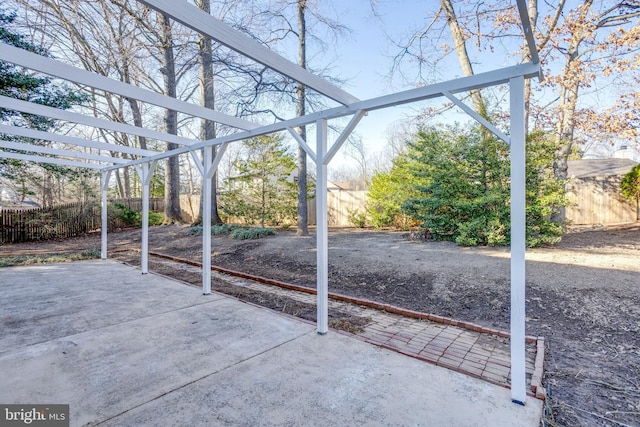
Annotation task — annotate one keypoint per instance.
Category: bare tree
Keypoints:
(303, 215)
(207, 99)
(102, 39)
(460, 46)
(172, 175)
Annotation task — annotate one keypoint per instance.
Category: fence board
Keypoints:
(598, 201)
(61, 221)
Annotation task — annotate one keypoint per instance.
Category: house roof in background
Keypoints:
(592, 168)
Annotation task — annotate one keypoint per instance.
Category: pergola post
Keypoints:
(518, 240)
(322, 229)
(145, 172)
(104, 186)
(207, 161)
(207, 168)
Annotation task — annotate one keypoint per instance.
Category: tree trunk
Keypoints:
(567, 108)
(207, 99)
(303, 215)
(172, 175)
(463, 56)
(47, 190)
(119, 183)
(127, 183)
(133, 103)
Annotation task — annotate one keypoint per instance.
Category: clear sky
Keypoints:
(364, 58)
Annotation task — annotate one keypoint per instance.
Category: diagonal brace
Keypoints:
(145, 171)
(303, 144)
(486, 123)
(343, 136)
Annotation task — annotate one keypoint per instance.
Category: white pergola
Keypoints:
(146, 160)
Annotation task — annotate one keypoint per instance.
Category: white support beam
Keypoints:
(69, 116)
(48, 160)
(484, 122)
(302, 143)
(70, 140)
(202, 22)
(518, 241)
(216, 161)
(207, 162)
(525, 20)
(209, 166)
(464, 84)
(58, 69)
(346, 132)
(322, 230)
(145, 172)
(57, 152)
(197, 161)
(104, 186)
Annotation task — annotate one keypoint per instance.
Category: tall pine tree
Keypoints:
(16, 82)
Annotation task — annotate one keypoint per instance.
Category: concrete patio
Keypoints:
(127, 349)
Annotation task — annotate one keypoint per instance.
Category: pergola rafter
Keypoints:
(194, 18)
(48, 160)
(200, 21)
(20, 146)
(72, 117)
(72, 140)
(96, 81)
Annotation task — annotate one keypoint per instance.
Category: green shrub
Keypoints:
(462, 182)
(121, 216)
(126, 216)
(195, 230)
(156, 218)
(223, 229)
(216, 230)
(251, 233)
(630, 184)
(356, 218)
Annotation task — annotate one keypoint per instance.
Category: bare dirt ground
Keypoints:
(582, 295)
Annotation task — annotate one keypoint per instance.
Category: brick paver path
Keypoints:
(475, 353)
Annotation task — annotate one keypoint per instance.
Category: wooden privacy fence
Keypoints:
(341, 204)
(62, 221)
(598, 201)
(156, 204)
(71, 219)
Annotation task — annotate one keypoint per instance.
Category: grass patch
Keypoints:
(48, 258)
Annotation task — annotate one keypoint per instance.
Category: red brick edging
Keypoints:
(536, 378)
